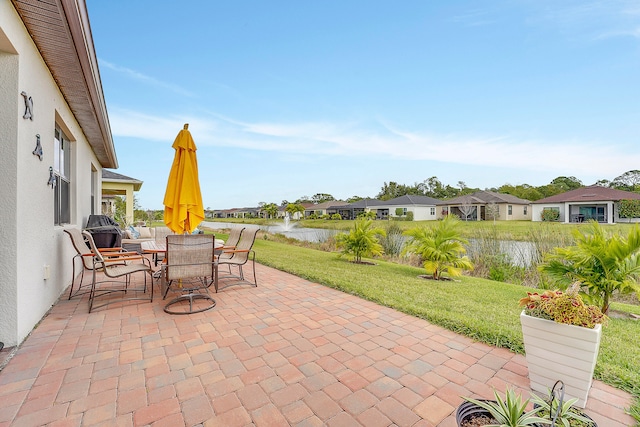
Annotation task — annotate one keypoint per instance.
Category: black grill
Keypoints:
(105, 231)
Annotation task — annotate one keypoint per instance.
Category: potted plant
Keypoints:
(561, 339)
(507, 412)
(561, 413)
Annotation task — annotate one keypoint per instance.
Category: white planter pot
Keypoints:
(556, 351)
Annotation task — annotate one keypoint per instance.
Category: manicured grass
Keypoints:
(482, 309)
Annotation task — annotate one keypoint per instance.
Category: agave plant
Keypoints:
(563, 414)
(510, 411)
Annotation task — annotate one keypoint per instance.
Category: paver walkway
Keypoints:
(289, 352)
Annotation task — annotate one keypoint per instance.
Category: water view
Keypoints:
(286, 228)
(520, 253)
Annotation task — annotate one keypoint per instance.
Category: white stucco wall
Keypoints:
(536, 211)
(8, 191)
(420, 213)
(27, 210)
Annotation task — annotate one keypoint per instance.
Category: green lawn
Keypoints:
(481, 309)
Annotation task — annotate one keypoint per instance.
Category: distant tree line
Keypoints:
(432, 187)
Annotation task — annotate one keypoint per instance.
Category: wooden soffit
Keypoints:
(61, 31)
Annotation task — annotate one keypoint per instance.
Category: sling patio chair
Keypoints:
(188, 268)
(117, 268)
(237, 258)
(84, 253)
(231, 242)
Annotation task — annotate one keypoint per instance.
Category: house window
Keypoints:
(432, 211)
(510, 210)
(61, 173)
(524, 210)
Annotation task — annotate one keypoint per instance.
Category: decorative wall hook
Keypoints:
(52, 178)
(28, 106)
(38, 150)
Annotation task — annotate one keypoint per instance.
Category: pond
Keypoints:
(291, 230)
(521, 253)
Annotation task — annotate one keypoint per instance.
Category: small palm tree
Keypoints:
(603, 263)
(441, 248)
(361, 241)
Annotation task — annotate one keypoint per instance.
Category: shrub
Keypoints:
(409, 216)
(550, 214)
(629, 209)
(393, 241)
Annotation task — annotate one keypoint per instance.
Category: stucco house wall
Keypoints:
(482, 201)
(592, 202)
(517, 212)
(536, 211)
(420, 213)
(36, 255)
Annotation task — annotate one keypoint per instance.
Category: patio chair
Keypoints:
(231, 243)
(118, 268)
(238, 257)
(188, 268)
(84, 253)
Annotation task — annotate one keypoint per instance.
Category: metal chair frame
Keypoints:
(84, 253)
(238, 257)
(189, 260)
(115, 266)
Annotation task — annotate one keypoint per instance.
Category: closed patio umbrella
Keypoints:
(183, 208)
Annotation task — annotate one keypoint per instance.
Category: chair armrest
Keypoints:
(237, 251)
(120, 258)
(117, 249)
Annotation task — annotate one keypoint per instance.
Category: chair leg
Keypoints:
(93, 290)
(73, 276)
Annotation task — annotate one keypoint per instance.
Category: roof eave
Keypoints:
(76, 57)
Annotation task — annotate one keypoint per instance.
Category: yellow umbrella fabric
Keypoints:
(183, 208)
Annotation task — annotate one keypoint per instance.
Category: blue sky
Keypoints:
(292, 98)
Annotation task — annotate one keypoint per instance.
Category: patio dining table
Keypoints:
(155, 248)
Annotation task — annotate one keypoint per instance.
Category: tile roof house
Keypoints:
(352, 210)
(585, 203)
(321, 208)
(422, 207)
(55, 140)
(478, 206)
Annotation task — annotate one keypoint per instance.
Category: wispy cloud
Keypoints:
(135, 75)
(474, 18)
(595, 19)
(381, 140)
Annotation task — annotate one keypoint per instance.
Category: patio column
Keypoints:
(610, 218)
(129, 204)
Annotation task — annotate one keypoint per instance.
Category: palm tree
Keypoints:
(270, 209)
(441, 248)
(361, 240)
(294, 208)
(602, 263)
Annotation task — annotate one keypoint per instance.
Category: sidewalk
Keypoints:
(289, 352)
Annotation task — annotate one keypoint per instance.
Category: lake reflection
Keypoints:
(315, 235)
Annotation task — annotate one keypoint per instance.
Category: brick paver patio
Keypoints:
(290, 352)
